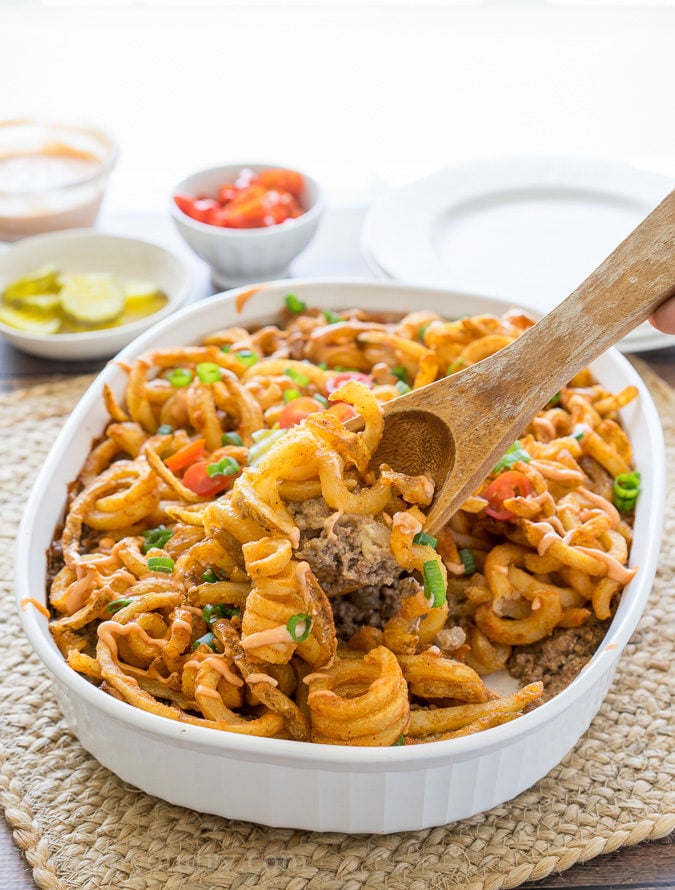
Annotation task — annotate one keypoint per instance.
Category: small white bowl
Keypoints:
(83, 250)
(242, 256)
(311, 786)
(53, 176)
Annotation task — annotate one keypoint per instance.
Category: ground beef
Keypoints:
(346, 555)
(557, 660)
(370, 606)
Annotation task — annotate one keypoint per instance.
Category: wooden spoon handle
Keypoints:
(504, 392)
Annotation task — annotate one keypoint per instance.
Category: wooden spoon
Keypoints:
(458, 428)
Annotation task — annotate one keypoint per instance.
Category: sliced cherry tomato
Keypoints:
(186, 456)
(244, 178)
(217, 216)
(277, 206)
(202, 207)
(197, 479)
(227, 191)
(246, 210)
(336, 382)
(287, 180)
(510, 484)
(343, 411)
(297, 410)
(185, 203)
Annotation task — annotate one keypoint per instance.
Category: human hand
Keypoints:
(664, 317)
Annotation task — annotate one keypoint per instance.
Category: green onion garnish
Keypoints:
(116, 605)
(424, 538)
(213, 611)
(468, 561)
(161, 564)
(156, 537)
(290, 395)
(626, 491)
(422, 331)
(457, 365)
(247, 357)
(180, 377)
(208, 639)
(515, 453)
(299, 627)
(226, 347)
(322, 400)
(323, 366)
(399, 741)
(402, 387)
(208, 372)
(434, 587)
(164, 429)
(211, 576)
(332, 317)
(297, 376)
(555, 400)
(294, 303)
(263, 441)
(228, 466)
(231, 439)
(400, 372)
(578, 436)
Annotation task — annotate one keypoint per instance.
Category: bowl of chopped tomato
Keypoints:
(247, 222)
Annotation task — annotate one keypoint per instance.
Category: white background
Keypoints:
(364, 96)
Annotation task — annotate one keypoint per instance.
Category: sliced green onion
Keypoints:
(322, 400)
(294, 303)
(468, 561)
(208, 372)
(515, 453)
(457, 365)
(263, 441)
(161, 564)
(164, 429)
(424, 538)
(213, 611)
(399, 741)
(297, 376)
(332, 317)
(434, 586)
(290, 395)
(323, 366)
(156, 537)
(116, 605)
(422, 331)
(299, 627)
(231, 439)
(400, 372)
(247, 357)
(402, 387)
(180, 377)
(626, 491)
(555, 400)
(208, 639)
(228, 466)
(226, 347)
(211, 576)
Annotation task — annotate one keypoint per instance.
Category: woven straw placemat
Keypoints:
(81, 827)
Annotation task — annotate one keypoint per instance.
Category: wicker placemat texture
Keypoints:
(81, 828)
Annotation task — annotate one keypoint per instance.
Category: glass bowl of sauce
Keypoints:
(52, 176)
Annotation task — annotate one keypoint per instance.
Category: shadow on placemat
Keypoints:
(82, 828)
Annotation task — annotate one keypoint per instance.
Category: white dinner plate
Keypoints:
(526, 230)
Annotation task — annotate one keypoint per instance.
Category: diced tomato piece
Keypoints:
(336, 382)
(185, 203)
(227, 191)
(287, 180)
(197, 479)
(202, 207)
(186, 456)
(217, 216)
(510, 484)
(246, 210)
(343, 411)
(245, 178)
(297, 410)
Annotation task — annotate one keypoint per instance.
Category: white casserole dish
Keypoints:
(321, 787)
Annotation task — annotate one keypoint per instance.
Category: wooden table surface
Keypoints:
(335, 252)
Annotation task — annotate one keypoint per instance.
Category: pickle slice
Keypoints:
(31, 323)
(93, 299)
(43, 281)
(46, 304)
(138, 292)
